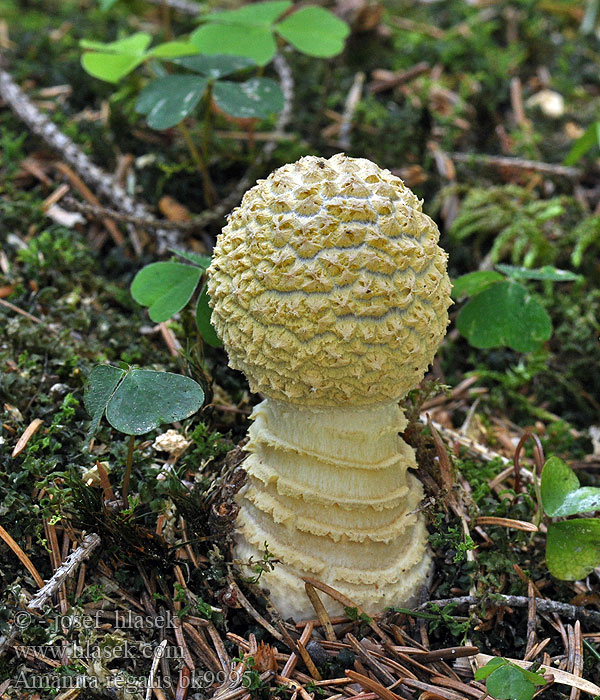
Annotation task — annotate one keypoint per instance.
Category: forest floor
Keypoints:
(475, 106)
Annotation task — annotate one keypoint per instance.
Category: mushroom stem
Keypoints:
(329, 491)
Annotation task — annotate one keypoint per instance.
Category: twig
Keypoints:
(202, 220)
(83, 552)
(184, 6)
(352, 99)
(472, 447)
(572, 612)
(518, 163)
(97, 178)
(158, 653)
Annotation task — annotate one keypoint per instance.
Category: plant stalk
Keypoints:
(127, 477)
(210, 194)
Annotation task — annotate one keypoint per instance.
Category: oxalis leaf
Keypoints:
(165, 288)
(145, 399)
(561, 492)
(505, 314)
(114, 60)
(314, 31)
(506, 681)
(474, 282)
(573, 548)
(102, 382)
(215, 66)
(138, 400)
(255, 42)
(203, 313)
(167, 101)
(255, 98)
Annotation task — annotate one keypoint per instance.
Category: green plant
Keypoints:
(250, 31)
(572, 546)
(136, 401)
(167, 287)
(584, 144)
(505, 680)
(501, 311)
(520, 224)
(229, 42)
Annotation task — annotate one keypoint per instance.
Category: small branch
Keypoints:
(518, 164)
(572, 612)
(89, 544)
(352, 99)
(95, 177)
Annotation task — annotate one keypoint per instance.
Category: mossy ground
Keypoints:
(79, 294)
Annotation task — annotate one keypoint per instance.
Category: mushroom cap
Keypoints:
(327, 284)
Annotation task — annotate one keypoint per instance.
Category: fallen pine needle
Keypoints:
(506, 522)
(23, 558)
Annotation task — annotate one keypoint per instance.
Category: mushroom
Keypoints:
(330, 293)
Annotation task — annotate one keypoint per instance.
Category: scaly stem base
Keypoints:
(328, 490)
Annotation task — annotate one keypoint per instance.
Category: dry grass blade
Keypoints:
(347, 603)
(436, 691)
(322, 614)
(23, 558)
(475, 690)
(506, 522)
(369, 684)
(30, 431)
(368, 658)
(245, 603)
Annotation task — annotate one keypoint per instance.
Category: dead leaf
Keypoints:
(172, 209)
(264, 658)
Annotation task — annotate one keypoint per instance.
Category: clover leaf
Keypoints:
(573, 548)
(165, 288)
(249, 31)
(561, 492)
(507, 681)
(136, 401)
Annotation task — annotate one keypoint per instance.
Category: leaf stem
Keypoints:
(128, 465)
(210, 194)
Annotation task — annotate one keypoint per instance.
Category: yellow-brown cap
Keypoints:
(327, 285)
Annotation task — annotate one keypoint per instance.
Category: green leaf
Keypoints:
(255, 42)
(482, 673)
(561, 491)
(134, 45)
(505, 315)
(167, 101)
(255, 14)
(508, 682)
(102, 382)
(109, 67)
(547, 272)
(202, 261)
(216, 66)
(203, 312)
(474, 282)
(114, 60)
(314, 31)
(573, 548)
(174, 49)
(257, 97)
(165, 288)
(146, 399)
(584, 143)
